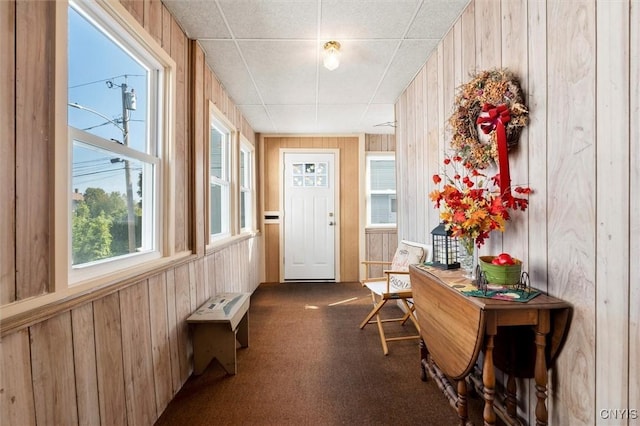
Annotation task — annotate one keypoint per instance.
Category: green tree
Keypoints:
(100, 225)
(113, 204)
(91, 235)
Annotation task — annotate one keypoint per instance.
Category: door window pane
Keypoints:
(310, 174)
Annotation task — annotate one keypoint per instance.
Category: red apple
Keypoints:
(505, 259)
(495, 261)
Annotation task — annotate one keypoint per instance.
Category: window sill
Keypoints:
(24, 313)
(380, 228)
(223, 243)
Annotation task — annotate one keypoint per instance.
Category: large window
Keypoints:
(219, 178)
(246, 187)
(115, 113)
(381, 190)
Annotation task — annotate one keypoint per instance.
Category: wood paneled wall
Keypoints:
(7, 152)
(577, 62)
(119, 354)
(380, 245)
(379, 142)
(349, 198)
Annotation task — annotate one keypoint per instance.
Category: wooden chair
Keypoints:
(395, 284)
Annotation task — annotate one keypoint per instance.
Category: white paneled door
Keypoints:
(309, 215)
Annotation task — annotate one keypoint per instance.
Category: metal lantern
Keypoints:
(445, 248)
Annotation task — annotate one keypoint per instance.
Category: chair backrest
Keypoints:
(407, 253)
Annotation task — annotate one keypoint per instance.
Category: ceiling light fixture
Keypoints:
(331, 55)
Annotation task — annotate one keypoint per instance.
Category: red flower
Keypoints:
(471, 204)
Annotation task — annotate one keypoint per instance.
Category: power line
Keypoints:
(106, 79)
(106, 171)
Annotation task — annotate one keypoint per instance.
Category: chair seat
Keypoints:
(380, 289)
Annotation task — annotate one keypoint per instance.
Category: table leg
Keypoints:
(424, 358)
(489, 381)
(462, 402)
(512, 399)
(541, 368)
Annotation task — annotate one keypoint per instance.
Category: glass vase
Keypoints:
(468, 257)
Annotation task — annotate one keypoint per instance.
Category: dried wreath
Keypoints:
(493, 101)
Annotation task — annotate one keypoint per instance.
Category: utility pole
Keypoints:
(127, 105)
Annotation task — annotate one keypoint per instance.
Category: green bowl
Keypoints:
(500, 274)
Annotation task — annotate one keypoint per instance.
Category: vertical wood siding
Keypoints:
(16, 399)
(200, 129)
(634, 200)
(571, 220)
(178, 46)
(612, 196)
(379, 143)
(380, 245)
(33, 138)
(579, 154)
(84, 361)
(118, 358)
(137, 354)
(52, 371)
(8, 154)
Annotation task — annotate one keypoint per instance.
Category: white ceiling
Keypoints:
(268, 56)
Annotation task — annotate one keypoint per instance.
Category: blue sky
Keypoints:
(97, 68)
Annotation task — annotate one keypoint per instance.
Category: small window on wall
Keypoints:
(219, 179)
(246, 187)
(381, 190)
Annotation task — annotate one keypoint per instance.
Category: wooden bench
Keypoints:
(216, 326)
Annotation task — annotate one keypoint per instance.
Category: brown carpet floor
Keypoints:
(308, 363)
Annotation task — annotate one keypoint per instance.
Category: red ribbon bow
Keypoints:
(495, 118)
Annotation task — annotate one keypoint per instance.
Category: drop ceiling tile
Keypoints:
(379, 119)
(362, 65)
(365, 18)
(271, 69)
(258, 118)
(198, 19)
(411, 56)
(435, 18)
(273, 19)
(284, 71)
(340, 118)
(226, 63)
(293, 118)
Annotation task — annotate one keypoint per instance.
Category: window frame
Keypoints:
(117, 23)
(249, 191)
(369, 157)
(222, 124)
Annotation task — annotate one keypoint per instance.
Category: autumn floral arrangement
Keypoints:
(472, 204)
